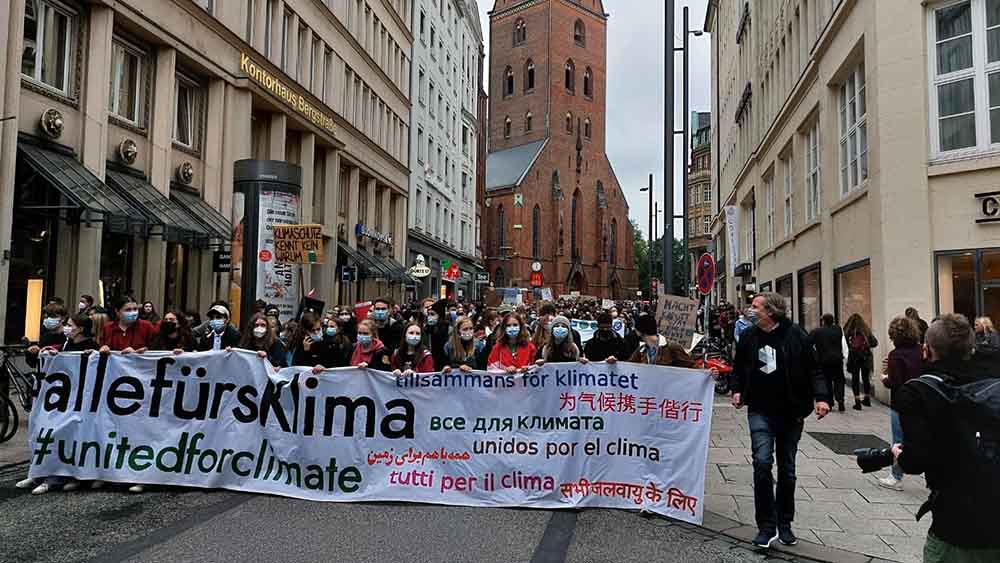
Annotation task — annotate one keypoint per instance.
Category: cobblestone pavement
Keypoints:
(836, 505)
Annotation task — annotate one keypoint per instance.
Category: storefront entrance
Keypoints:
(968, 282)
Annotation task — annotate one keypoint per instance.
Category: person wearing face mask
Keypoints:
(262, 339)
(412, 356)
(438, 330)
(129, 333)
(348, 323)
(173, 334)
(389, 328)
(463, 350)
(560, 346)
(338, 344)
(51, 337)
(369, 352)
(86, 304)
(606, 343)
(513, 351)
(654, 348)
(221, 335)
(308, 345)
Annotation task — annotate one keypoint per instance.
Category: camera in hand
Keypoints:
(873, 459)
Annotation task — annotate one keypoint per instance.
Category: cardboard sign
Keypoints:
(298, 244)
(677, 318)
(607, 304)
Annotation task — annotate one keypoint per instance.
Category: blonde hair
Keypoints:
(987, 324)
(100, 319)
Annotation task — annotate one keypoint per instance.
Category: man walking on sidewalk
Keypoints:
(778, 378)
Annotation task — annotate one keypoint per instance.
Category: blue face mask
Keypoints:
(364, 339)
(317, 336)
(559, 332)
(752, 317)
(51, 322)
(513, 331)
(217, 324)
(432, 320)
(413, 339)
(331, 331)
(130, 316)
(380, 314)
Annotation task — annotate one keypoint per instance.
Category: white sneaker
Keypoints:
(137, 489)
(71, 486)
(25, 483)
(891, 482)
(97, 484)
(40, 489)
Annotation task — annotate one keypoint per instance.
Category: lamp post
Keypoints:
(649, 232)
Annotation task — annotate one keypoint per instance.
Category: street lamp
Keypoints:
(649, 233)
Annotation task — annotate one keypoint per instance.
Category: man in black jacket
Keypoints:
(964, 488)
(221, 334)
(828, 340)
(777, 377)
(605, 342)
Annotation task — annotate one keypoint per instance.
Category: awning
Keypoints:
(173, 222)
(377, 267)
(400, 271)
(395, 271)
(58, 166)
(355, 256)
(218, 227)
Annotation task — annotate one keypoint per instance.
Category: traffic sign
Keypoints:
(706, 274)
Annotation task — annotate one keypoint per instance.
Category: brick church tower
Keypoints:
(552, 196)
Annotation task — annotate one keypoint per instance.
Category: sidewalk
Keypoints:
(836, 506)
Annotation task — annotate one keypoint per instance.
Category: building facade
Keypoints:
(124, 120)
(552, 198)
(856, 158)
(446, 75)
(699, 181)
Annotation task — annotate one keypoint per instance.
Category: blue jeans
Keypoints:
(770, 435)
(897, 438)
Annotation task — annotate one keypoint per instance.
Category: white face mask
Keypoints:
(259, 331)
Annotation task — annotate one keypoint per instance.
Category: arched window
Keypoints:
(499, 278)
(529, 76)
(614, 242)
(520, 32)
(508, 82)
(572, 228)
(588, 83)
(586, 128)
(579, 33)
(527, 122)
(569, 122)
(506, 128)
(501, 230)
(536, 232)
(570, 78)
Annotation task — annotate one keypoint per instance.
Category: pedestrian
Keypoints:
(513, 351)
(914, 315)
(307, 345)
(860, 342)
(338, 345)
(655, 349)
(173, 333)
(986, 335)
(148, 312)
(559, 347)
(828, 342)
(463, 350)
(263, 339)
(370, 352)
(221, 335)
(606, 343)
(412, 356)
(905, 362)
(347, 321)
(129, 333)
(52, 335)
(86, 304)
(776, 376)
(389, 328)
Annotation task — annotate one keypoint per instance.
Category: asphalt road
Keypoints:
(170, 525)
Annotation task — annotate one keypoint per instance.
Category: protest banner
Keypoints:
(677, 318)
(565, 435)
(298, 244)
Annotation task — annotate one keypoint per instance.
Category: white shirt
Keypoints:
(216, 341)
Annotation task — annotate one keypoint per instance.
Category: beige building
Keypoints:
(122, 121)
(856, 155)
(700, 192)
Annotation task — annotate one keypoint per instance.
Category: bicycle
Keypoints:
(24, 385)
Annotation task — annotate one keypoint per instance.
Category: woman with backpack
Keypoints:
(860, 342)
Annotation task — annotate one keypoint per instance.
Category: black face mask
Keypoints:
(167, 327)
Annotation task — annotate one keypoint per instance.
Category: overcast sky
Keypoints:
(635, 94)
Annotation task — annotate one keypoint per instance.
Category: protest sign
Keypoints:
(585, 328)
(607, 304)
(677, 318)
(298, 244)
(565, 435)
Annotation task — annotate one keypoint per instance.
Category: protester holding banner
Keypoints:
(369, 352)
(412, 355)
(437, 331)
(262, 339)
(221, 335)
(307, 345)
(513, 351)
(560, 347)
(338, 344)
(173, 334)
(463, 350)
(655, 349)
(389, 328)
(129, 333)
(52, 337)
(348, 323)
(606, 344)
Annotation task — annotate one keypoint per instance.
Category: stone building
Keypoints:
(700, 209)
(552, 197)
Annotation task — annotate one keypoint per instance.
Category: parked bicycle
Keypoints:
(23, 384)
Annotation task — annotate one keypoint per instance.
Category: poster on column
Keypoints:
(277, 282)
(566, 435)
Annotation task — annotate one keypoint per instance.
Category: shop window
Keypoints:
(969, 283)
(810, 298)
(187, 113)
(48, 38)
(853, 291)
(783, 287)
(126, 81)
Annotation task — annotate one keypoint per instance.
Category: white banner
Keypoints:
(732, 240)
(585, 328)
(566, 435)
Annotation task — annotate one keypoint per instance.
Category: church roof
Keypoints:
(507, 168)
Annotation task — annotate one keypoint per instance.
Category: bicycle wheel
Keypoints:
(8, 419)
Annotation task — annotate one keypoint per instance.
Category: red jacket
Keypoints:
(138, 335)
(501, 357)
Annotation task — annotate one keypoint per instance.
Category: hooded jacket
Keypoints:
(376, 357)
(666, 355)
